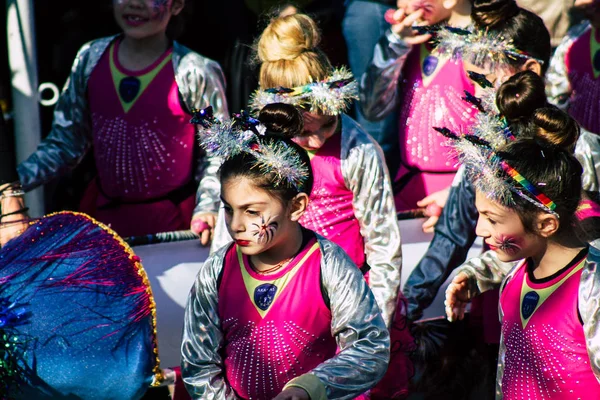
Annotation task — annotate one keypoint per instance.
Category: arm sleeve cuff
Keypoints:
(311, 384)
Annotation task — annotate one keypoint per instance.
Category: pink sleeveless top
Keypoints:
(583, 65)
(432, 89)
(330, 211)
(546, 355)
(143, 141)
(276, 326)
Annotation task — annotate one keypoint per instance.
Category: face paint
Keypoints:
(159, 9)
(508, 244)
(265, 231)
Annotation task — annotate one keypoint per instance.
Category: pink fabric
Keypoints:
(547, 358)
(330, 212)
(263, 354)
(424, 106)
(587, 209)
(586, 88)
(141, 154)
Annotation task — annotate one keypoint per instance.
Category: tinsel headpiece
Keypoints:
(331, 96)
(481, 48)
(240, 134)
(477, 151)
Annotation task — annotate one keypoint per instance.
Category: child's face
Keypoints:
(502, 229)
(496, 77)
(140, 19)
(255, 220)
(433, 10)
(317, 129)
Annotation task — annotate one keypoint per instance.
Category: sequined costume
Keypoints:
(145, 158)
(221, 331)
(77, 315)
(353, 207)
(572, 81)
(579, 314)
(428, 89)
(454, 233)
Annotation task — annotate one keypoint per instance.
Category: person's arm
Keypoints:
(70, 136)
(360, 332)
(589, 308)
(202, 84)
(379, 84)
(365, 174)
(453, 237)
(558, 86)
(587, 152)
(202, 366)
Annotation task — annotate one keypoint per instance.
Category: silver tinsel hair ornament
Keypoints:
(241, 134)
(477, 151)
(482, 48)
(331, 96)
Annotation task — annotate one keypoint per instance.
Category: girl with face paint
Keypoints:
(281, 312)
(528, 193)
(129, 99)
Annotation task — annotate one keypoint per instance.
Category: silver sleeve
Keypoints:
(202, 366)
(558, 87)
(366, 176)
(486, 272)
(357, 325)
(587, 151)
(202, 84)
(589, 305)
(379, 84)
(70, 136)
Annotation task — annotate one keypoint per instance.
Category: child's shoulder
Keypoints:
(188, 57)
(355, 135)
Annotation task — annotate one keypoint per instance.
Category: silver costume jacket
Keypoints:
(201, 84)
(487, 272)
(366, 175)
(356, 324)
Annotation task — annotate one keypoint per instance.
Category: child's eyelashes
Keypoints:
(252, 212)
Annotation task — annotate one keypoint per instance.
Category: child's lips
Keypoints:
(242, 242)
(134, 20)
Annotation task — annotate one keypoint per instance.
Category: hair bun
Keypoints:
(519, 97)
(489, 13)
(282, 119)
(555, 127)
(286, 38)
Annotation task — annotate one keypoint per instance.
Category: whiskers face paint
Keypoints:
(266, 230)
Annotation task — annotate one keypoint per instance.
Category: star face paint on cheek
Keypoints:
(159, 9)
(265, 231)
(508, 245)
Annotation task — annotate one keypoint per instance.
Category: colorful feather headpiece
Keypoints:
(481, 48)
(477, 151)
(240, 134)
(331, 96)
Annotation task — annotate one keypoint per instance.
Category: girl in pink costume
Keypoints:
(427, 87)
(528, 192)
(268, 313)
(129, 98)
(573, 80)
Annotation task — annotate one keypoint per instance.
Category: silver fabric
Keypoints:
(589, 305)
(587, 151)
(201, 83)
(365, 174)
(356, 324)
(485, 272)
(589, 310)
(558, 87)
(379, 84)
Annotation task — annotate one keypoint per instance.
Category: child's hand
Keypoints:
(203, 224)
(457, 297)
(293, 393)
(433, 204)
(402, 23)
